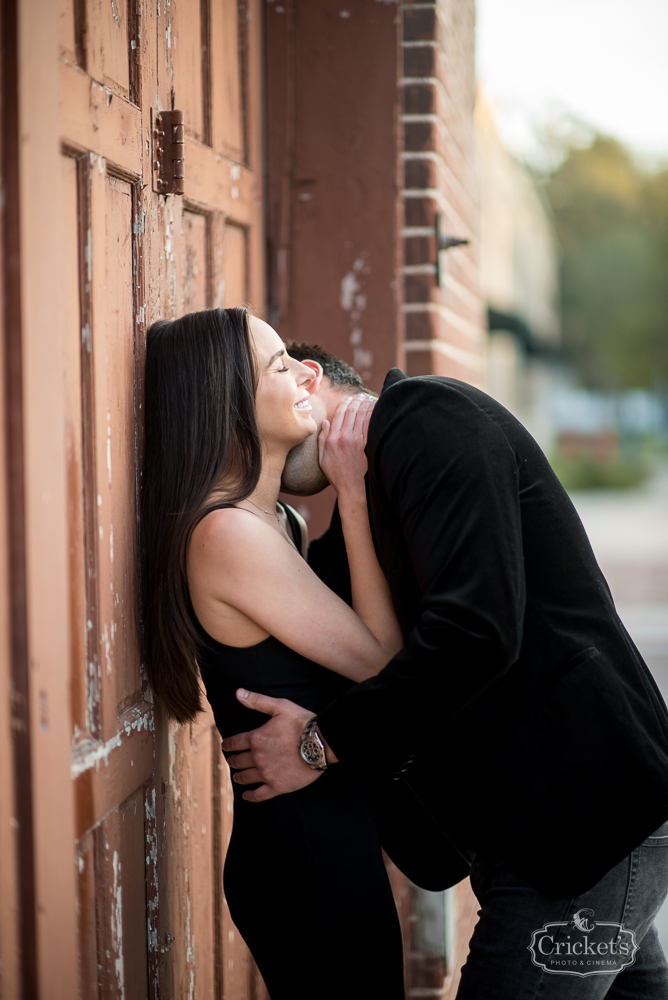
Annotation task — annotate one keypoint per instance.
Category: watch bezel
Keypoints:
(311, 737)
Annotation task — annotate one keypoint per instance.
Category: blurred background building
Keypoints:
(519, 281)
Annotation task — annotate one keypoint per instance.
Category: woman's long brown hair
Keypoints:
(201, 435)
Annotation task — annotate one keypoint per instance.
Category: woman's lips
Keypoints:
(304, 405)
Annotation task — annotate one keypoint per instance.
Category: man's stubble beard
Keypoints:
(302, 475)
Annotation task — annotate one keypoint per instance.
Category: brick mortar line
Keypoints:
(454, 218)
(466, 358)
(435, 119)
(447, 314)
(439, 159)
(437, 83)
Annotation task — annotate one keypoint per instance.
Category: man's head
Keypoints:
(302, 475)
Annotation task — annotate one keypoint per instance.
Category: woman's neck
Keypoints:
(265, 494)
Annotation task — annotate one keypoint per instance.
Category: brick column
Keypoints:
(444, 319)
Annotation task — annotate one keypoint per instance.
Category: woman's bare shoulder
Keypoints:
(232, 533)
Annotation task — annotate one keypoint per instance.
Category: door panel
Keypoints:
(228, 84)
(86, 916)
(235, 267)
(194, 282)
(69, 250)
(107, 45)
(115, 432)
(185, 64)
(120, 902)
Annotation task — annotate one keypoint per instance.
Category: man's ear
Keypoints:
(317, 369)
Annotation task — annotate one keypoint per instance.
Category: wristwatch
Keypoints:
(311, 747)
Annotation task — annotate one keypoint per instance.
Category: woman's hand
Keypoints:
(341, 446)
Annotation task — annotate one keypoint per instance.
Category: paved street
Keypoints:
(629, 534)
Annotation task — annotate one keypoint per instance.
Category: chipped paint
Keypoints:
(362, 360)
(117, 926)
(171, 740)
(92, 753)
(93, 698)
(140, 222)
(189, 941)
(354, 301)
(88, 258)
(152, 875)
(107, 648)
(349, 286)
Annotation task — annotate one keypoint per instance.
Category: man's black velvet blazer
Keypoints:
(538, 732)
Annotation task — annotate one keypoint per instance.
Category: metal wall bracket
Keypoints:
(443, 244)
(168, 151)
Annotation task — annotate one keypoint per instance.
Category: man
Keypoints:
(519, 710)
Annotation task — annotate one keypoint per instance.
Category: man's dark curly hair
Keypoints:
(339, 373)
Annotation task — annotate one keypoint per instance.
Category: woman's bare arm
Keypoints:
(237, 561)
(343, 460)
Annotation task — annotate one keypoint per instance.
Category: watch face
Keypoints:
(311, 749)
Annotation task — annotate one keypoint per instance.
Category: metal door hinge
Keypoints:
(168, 152)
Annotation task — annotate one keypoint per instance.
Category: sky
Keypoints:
(605, 61)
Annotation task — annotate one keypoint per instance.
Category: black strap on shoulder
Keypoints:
(295, 528)
(217, 506)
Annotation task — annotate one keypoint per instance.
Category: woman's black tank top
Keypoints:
(268, 667)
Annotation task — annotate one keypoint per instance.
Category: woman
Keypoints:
(229, 597)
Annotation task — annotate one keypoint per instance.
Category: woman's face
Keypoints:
(282, 401)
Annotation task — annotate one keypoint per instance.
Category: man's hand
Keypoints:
(270, 754)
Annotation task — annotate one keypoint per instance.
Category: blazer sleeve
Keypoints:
(444, 486)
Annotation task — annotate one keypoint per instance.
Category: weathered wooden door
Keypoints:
(150, 800)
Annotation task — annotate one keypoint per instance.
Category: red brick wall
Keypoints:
(444, 325)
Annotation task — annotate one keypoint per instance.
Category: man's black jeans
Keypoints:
(527, 946)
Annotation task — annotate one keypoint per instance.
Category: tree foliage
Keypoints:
(612, 222)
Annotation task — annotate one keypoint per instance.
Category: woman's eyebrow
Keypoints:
(274, 356)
